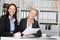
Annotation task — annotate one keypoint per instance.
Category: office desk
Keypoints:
(39, 38)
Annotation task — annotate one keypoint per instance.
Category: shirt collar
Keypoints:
(33, 21)
(13, 19)
(10, 17)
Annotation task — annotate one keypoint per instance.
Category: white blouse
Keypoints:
(30, 25)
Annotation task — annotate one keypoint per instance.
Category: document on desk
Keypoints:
(30, 30)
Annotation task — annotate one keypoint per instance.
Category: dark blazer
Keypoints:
(5, 26)
(23, 26)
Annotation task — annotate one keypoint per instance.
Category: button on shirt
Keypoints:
(12, 26)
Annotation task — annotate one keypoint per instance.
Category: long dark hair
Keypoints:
(7, 12)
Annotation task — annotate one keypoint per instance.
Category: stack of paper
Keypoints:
(30, 30)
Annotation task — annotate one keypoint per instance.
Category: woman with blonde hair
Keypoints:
(30, 22)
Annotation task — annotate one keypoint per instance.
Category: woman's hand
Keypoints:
(28, 35)
(17, 34)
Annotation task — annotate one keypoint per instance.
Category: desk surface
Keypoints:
(39, 38)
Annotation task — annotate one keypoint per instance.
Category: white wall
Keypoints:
(59, 15)
(13, 1)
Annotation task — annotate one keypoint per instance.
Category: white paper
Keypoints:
(30, 30)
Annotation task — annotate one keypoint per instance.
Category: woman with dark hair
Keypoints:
(8, 22)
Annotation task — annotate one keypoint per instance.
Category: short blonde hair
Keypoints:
(35, 10)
